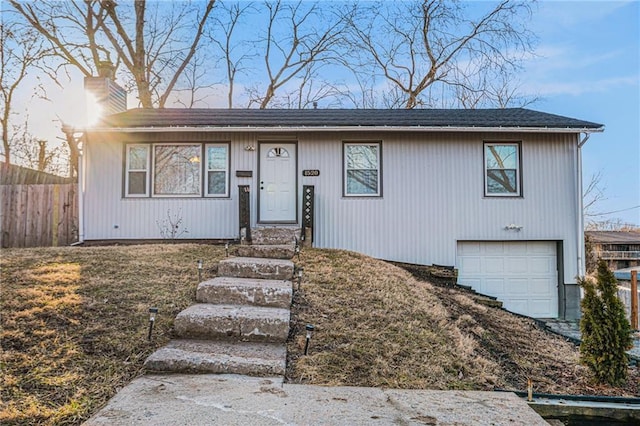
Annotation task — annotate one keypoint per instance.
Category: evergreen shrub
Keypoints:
(606, 332)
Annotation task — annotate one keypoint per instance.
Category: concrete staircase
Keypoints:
(241, 321)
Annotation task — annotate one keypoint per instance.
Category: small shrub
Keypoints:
(606, 333)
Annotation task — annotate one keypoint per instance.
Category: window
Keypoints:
(278, 152)
(502, 169)
(177, 170)
(362, 169)
(136, 178)
(217, 170)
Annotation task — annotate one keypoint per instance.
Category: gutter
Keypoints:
(580, 206)
(270, 129)
(586, 138)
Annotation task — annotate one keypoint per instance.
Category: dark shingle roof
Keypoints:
(614, 237)
(318, 118)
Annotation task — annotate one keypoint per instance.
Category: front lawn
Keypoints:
(75, 322)
(377, 325)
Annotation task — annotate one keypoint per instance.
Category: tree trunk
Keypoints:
(5, 137)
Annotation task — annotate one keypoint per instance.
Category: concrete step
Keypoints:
(489, 301)
(274, 236)
(246, 291)
(482, 299)
(205, 356)
(233, 322)
(255, 267)
(282, 251)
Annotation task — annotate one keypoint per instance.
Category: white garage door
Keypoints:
(523, 274)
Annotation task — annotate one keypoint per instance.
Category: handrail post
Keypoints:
(244, 213)
(308, 214)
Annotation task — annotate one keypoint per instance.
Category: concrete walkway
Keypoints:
(242, 400)
(571, 330)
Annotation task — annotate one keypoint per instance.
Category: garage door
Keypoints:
(523, 274)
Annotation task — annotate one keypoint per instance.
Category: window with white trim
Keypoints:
(177, 170)
(502, 169)
(137, 171)
(362, 169)
(217, 169)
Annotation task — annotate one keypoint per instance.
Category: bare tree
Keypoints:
(20, 51)
(235, 53)
(490, 90)
(592, 195)
(309, 90)
(293, 42)
(615, 224)
(415, 45)
(155, 42)
(191, 95)
(595, 218)
(73, 143)
(37, 154)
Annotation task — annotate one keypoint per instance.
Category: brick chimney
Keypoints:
(110, 96)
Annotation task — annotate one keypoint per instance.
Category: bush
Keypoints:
(606, 333)
(590, 256)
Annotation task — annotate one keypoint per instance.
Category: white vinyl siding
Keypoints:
(502, 169)
(432, 183)
(137, 171)
(433, 196)
(362, 169)
(217, 170)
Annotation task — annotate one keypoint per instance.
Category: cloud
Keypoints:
(577, 12)
(569, 57)
(580, 87)
(575, 69)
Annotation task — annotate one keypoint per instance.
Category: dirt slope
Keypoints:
(377, 325)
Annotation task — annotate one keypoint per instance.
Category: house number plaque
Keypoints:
(311, 173)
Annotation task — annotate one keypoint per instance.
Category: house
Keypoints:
(620, 249)
(494, 192)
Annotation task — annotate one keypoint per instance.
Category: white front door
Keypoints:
(521, 274)
(277, 182)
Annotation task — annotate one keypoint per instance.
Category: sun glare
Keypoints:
(93, 109)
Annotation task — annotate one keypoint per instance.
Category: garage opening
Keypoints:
(521, 274)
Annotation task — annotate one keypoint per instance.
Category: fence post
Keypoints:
(54, 213)
(634, 300)
(244, 212)
(308, 210)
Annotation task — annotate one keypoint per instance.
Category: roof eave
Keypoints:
(268, 129)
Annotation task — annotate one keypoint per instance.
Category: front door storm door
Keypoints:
(277, 201)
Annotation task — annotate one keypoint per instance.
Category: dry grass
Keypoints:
(75, 323)
(376, 325)
(74, 329)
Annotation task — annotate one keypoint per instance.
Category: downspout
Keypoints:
(580, 205)
(81, 166)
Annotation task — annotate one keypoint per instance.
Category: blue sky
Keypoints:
(587, 66)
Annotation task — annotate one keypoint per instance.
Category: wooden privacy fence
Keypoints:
(38, 215)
